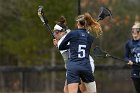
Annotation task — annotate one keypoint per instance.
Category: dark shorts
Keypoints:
(136, 82)
(135, 73)
(75, 75)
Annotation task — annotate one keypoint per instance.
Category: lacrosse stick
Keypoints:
(104, 12)
(44, 19)
(98, 52)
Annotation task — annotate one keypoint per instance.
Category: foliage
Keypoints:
(25, 41)
(22, 34)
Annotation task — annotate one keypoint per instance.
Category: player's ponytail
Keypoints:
(89, 23)
(93, 25)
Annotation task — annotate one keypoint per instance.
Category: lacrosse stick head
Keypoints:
(41, 14)
(104, 12)
(98, 52)
(40, 10)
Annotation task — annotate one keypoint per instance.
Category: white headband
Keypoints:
(57, 27)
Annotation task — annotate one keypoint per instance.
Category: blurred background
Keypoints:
(29, 63)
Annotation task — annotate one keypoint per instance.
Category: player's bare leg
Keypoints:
(66, 87)
(73, 87)
(83, 87)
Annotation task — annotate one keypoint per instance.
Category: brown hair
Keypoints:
(90, 24)
(62, 22)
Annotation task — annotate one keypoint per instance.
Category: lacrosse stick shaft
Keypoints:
(121, 60)
(98, 52)
(117, 58)
(49, 28)
(44, 19)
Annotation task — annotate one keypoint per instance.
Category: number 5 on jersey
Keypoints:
(81, 51)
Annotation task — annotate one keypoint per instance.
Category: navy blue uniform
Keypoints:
(78, 65)
(133, 53)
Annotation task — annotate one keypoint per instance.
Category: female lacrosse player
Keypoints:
(78, 65)
(132, 55)
(59, 34)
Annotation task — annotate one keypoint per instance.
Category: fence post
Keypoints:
(53, 74)
(78, 7)
(2, 82)
(23, 81)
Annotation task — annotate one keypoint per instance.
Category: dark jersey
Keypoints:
(132, 52)
(80, 44)
(78, 65)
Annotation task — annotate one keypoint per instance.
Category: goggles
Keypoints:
(137, 30)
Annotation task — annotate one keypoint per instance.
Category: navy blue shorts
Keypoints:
(77, 73)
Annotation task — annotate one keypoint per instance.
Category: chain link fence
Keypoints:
(110, 79)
